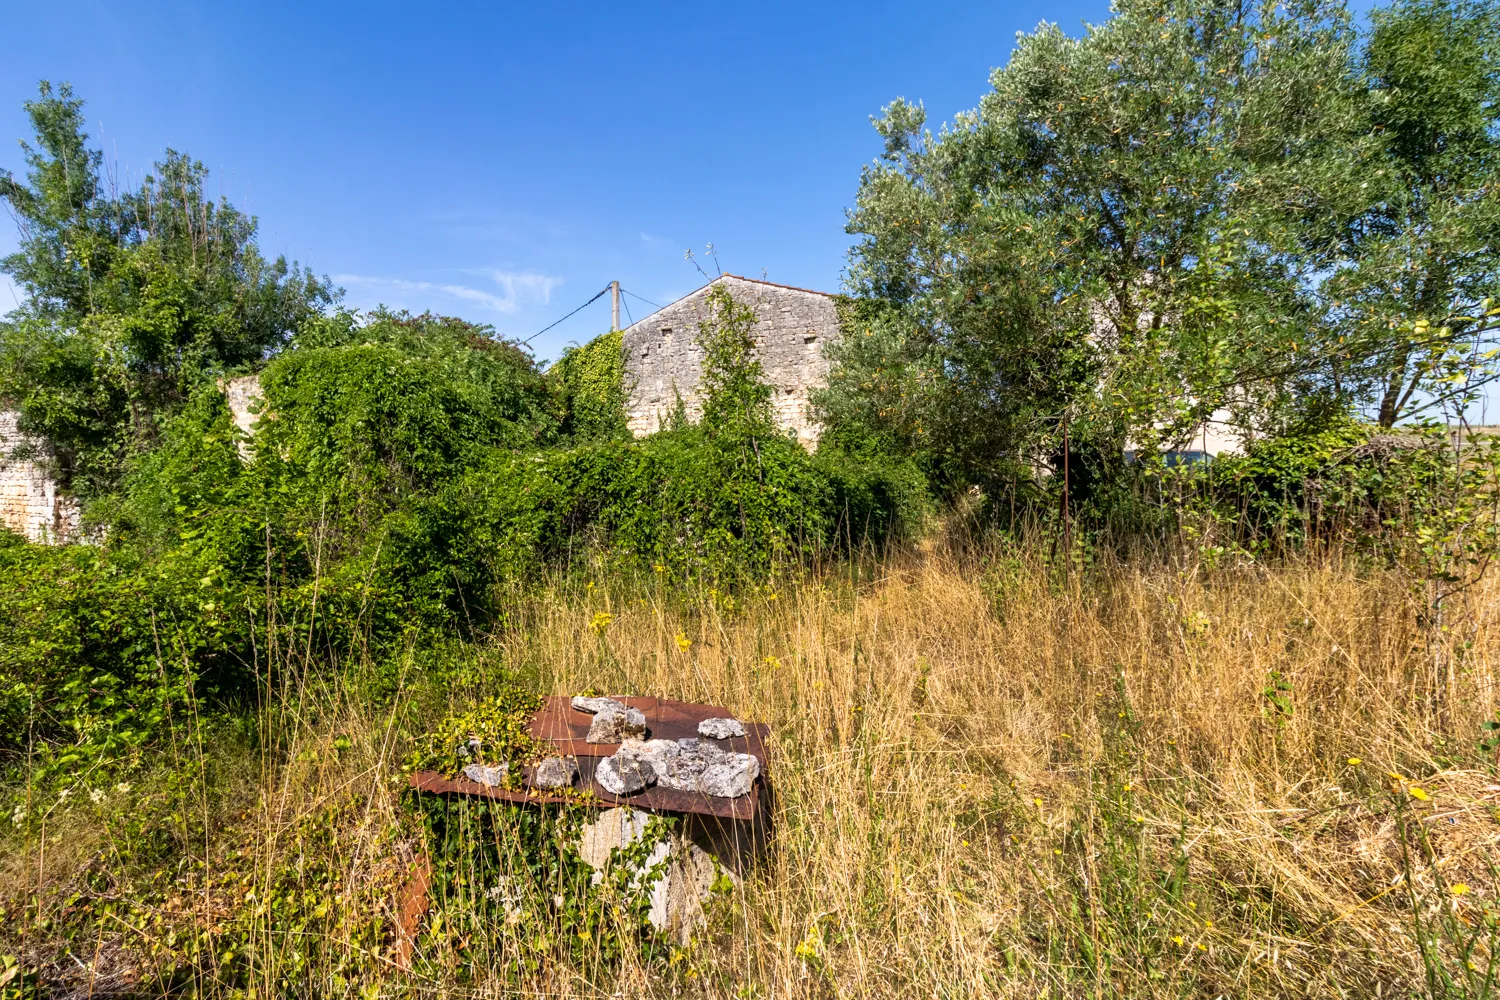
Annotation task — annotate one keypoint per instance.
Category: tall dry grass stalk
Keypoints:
(1155, 780)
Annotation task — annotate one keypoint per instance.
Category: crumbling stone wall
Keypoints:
(663, 359)
(242, 394)
(30, 501)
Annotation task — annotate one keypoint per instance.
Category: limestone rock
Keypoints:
(655, 753)
(616, 725)
(677, 896)
(614, 828)
(555, 772)
(593, 706)
(721, 729)
(692, 765)
(485, 775)
(624, 773)
(731, 776)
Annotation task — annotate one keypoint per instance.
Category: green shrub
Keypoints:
(590, 385)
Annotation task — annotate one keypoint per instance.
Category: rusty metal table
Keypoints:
(566, 730)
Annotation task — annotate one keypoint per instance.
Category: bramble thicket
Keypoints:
(1055, 713)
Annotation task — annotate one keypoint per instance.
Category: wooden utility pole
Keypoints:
(614, 305)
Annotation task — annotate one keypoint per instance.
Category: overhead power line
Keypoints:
(642, 298)
(602, 292)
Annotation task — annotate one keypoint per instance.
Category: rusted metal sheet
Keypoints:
(566, 729)
(414, 903)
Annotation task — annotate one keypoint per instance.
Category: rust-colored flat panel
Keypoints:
(654, 798)
(567, 729)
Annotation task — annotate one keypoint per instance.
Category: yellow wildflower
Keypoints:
(1418, 794)
(1355, 762)
(1459, 889)
(683, 642)
(602, 621)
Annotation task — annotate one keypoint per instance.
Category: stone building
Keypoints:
(663, 360)
(30, 503)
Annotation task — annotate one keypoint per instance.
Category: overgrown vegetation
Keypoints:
(1054, 713)
(1248, 212)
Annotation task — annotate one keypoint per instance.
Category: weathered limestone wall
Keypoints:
(30, 503)
(241, 394)
(663, 359)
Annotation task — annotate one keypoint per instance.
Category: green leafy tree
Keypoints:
(1417, 259)
(736, 397)
(134, 298)
(1090, 251)
(1198, 208)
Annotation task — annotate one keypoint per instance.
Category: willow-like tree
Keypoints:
(1136, 229)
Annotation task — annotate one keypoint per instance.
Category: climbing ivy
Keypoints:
(589, 381)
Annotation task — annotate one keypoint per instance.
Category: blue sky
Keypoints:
(502, 162)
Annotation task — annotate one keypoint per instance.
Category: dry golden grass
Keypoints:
(995, 782)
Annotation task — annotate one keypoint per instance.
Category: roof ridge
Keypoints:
(773, 284)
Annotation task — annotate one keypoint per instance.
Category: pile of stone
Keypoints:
(687, 765)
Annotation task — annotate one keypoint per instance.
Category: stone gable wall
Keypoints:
(663, 359)
(30, 503)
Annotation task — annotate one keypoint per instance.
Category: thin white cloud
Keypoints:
(526, 286)
(513, 290)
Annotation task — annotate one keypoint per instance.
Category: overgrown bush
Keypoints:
(590, 385)
(397, 486)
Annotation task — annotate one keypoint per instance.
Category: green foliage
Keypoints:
(736, 398)
(496, 731)
(133, 300)
(590, 385)
(97, 653)
(1413, 301)
(1091, 247)
(1196, 208)
(511, 892)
